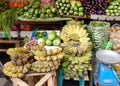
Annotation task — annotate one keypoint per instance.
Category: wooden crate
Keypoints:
(50, 78)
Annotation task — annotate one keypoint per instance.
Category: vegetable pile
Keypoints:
(52, 39)
(63, 6)
(69, 7)
(114, 8)
(115, 37)
(95, 7)
(99, 33)
(47, 12)
(31, 10)
(76, 8)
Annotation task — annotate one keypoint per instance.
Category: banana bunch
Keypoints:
(20, 56)
(45, 66)
(47, 59)
(50, 54)
(76, 66)
(75, 39)
(16, 71)
(17, 50)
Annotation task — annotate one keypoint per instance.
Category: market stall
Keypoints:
(49, 41)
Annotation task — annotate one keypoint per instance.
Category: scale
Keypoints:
(104, 74)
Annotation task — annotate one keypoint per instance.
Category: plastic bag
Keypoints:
(99, 33)
(115, 37)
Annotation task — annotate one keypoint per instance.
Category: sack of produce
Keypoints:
(115, 37)
(99, 33)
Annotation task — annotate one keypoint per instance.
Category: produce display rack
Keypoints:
(50, 78)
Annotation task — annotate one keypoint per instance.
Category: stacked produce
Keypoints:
(76, 8)
(51, 40)
(115, 37)
(3, 5)
(69, 7)
(47, 59)
(63, 6)
(31, 10)
(77, 48)
(114, 8)
(76, 66)
(95, 6)
(48, 12)
(21, 59)
(16, 71)
(99, 33)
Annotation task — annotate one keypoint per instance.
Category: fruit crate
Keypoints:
(48, 79)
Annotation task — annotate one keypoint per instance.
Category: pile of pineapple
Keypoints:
(77, 48)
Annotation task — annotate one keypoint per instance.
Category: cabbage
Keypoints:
(41, 40)
(56, 42)
(52, 35)
(48, 42)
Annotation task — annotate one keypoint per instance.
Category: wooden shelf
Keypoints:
(5, 44)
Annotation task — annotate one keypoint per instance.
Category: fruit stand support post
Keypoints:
(49, 77)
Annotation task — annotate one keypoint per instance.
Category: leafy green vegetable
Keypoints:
(7, 19)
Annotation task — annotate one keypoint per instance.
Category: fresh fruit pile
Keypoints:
(3, 5)
(76, 66)
(63, 6)
(19, 56)
(51, 40)
(31, 10)
(99, 33)
(114, 8)
(48, 12)
(114, 37)
(21, 59)
(76, 8)
(77, 48)
(75, 39)
(16, 71)
(95, 7)
(47, 59)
